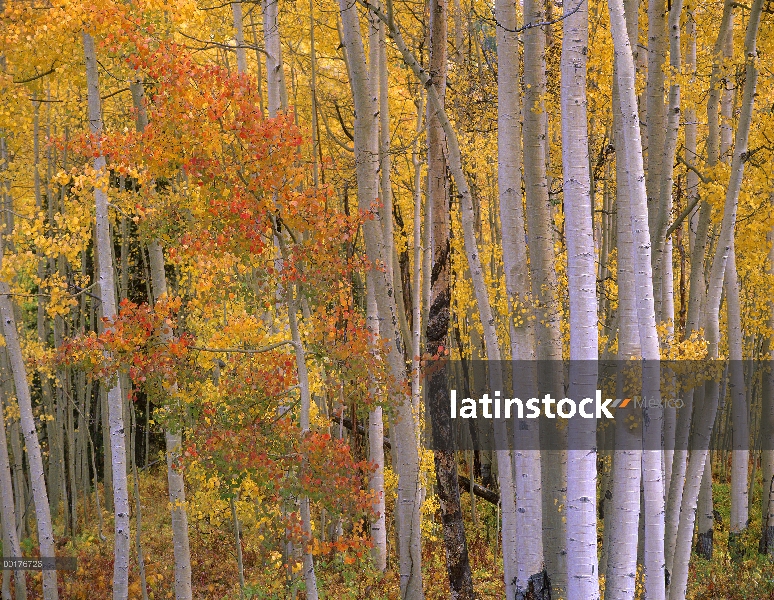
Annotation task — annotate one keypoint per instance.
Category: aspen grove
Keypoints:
(272, 271)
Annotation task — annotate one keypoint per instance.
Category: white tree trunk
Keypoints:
(310, 578)
(532, 577)
(275, 73)
(656, 124)
(512, 221)
(404, 429)
(646, 318)
(740, 426)
(627, 467)
(376, 453)
(239, 37)
(31, 442)
(10, 536)
(695, 469)
(582, 568)
(107, 295)
(173, 440)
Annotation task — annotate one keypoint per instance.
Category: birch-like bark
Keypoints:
(695, 469)
(656, 122)
(417, 276)
(32, 444)
(691, 131)
(627, 458)
(542, 302)
(275, 73)
(10, 536)
(376, 451)
(468, 219)
(310, 578)
(107, 295)
(404, 429)
(529, 567)
(173, 439)
(541, 246)
(646, 318)
(582, 569)
(726, 125)
(239, 37)
(662, 248)
(740, 426)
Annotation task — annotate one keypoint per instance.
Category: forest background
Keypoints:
(235, 233)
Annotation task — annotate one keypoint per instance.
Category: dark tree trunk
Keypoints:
(437, 331)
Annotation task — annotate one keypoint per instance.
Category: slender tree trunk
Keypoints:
(107, 294)
(705, 518)
(656, 133)
(542, 301)
(404, 429)
(275, 73)
(627, 459)
(239, 37)
(740, 425)
(138, 525)
(582, 569)
(531, 574)
(310, 578)
(695, 469)
(437, 330)
(662, 247)
(238, 547)
(646, 318)
(31, 442)
(10, 537)
(173, 440)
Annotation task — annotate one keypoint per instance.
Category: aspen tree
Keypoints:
(108, 303)
(627, 457)
(404, 429)
(646, 318)
(376, 451)
(544, 329)
(437, 329)
(532, 575)
(703, 428)
(656, 127)
(275, 72)
(239, 37)
(10, 536)
(582, 569)
(740, 455)
(31, 442)
(493, 352)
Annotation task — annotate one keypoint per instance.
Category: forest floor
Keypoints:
(215, 573)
